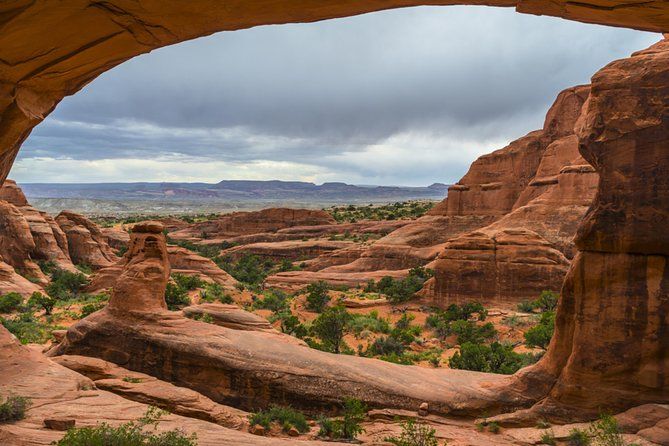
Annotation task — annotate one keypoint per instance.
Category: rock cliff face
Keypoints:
(86, 243)
(246, 223)
(527, 250)
(527, 197)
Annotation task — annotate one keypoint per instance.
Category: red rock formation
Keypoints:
(57, 392)
(187, 262)
(50, 241)
(289, 250)
(145, 272)
(537, 184)
(17, 244)
(12, 282)
(245, 223)
(86, 243)
(116, 238)
(495, 267)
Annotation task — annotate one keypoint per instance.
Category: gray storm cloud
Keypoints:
(430, 87)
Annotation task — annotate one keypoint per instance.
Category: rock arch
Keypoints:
(612, 341)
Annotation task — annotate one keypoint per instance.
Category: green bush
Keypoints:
(348, 427)
(28, 329)
(47, 266)
(540, 335)
(274, 300)
(469, 332)
(91, 308)
(10, 302)
(65, 284)
(214, 292)
(548, 437)
(404, 331)
(176, 297)
(606, 432)
(414, 434)
(493, 358)
(386, 346)
(39, 300)
(133, 433)
(578, 437)
(249, 269)
(456, 320)
(188, 283)
(290, 324)
(368, 322)
(330, 327)
(317, 297)
(547, 301)
(13, 408)
(286, 417)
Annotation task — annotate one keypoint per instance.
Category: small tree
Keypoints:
(415, 434)
(176, 297)
(45, 302)
(10, 302)
(540, 335)
(317, 297)
(331, 326)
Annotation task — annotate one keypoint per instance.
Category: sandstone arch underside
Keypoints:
(612, 342)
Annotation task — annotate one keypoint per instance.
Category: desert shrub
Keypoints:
(540, 335)
(456, 320)
(330, 327)
(493, 358)
(13, 408)
(39, 300)
(65, 284)
(286, 417)
(290, 324)
(548, 437)
(133, 433)
(391, 211)
(188, 283)
(90, 308)
(249, 269)
(606, 432)
(347, 427)
(214, 292)
(469, 332)
(176, 297)
(287, 265)
(317, 296)
(386, 346)
(493, 427)
(368, 322)
(414, 434)
(526, 306)
(578, 437)
(274, 300)
(10, 302)
(404, 331)
(28, 329)
(209, 250)
(547, 301)
(85, 268)
(47, 266)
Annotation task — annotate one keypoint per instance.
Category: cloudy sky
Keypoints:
(408, 97)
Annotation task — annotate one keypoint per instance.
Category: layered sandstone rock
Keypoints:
(50, 241)
(12, 282)
(289, 250)
(86, 243)
(187, 262)
(495, 267)
(59, 393)
(245, 223)
(116, 238)
(17, 244)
